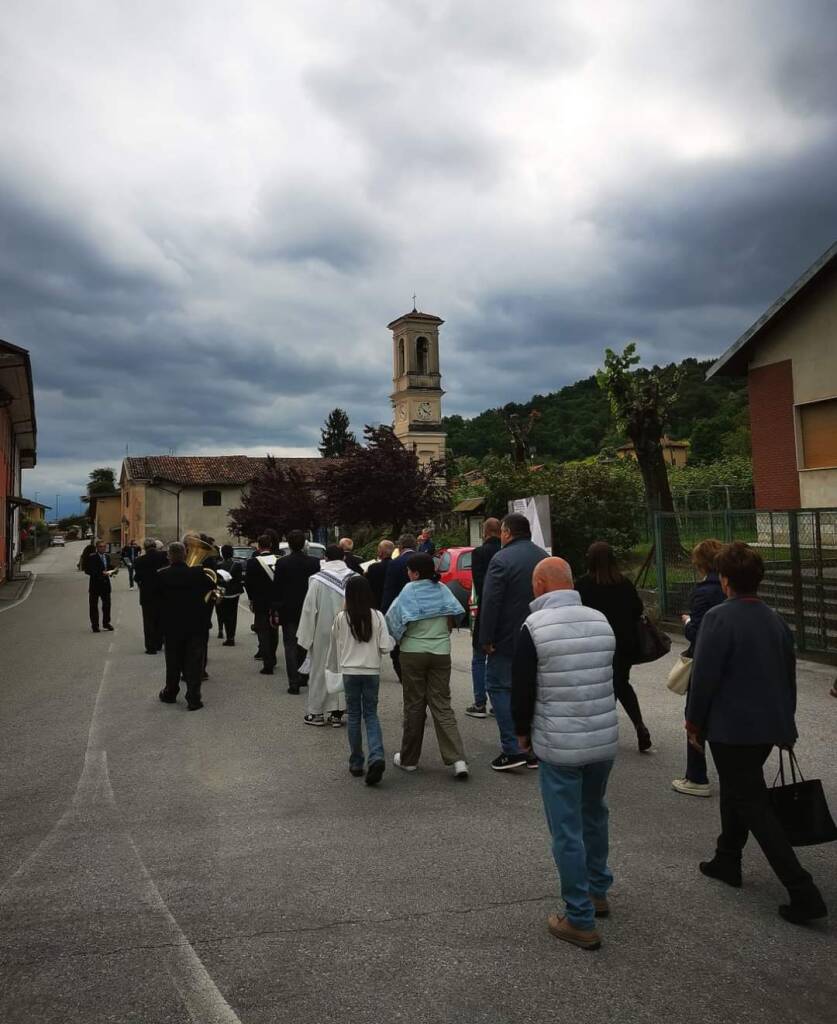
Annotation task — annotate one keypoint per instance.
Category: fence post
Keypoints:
(796, 579)
(660, 558)
(818, 582)
(728, 537)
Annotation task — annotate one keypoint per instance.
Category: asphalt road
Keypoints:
(223, 866)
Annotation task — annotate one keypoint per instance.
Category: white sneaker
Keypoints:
(690, 788)
(460, 770)
(396, 760)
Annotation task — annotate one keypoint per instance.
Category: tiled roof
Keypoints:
(196, 470)
(415, 315)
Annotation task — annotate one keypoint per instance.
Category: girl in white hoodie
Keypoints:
(359, 639)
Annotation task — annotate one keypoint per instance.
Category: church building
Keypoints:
(416, 384)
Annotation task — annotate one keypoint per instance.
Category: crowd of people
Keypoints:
(551, 657)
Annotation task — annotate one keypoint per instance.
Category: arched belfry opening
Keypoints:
(422, 356)
(402, 363)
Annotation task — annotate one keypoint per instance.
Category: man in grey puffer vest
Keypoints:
(564, 708)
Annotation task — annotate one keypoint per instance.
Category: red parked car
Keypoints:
(454, 566)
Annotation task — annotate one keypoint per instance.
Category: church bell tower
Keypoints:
(416, 384)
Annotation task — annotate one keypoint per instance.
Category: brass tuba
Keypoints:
(198, 549)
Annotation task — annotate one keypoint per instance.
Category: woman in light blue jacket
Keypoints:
(421, 619)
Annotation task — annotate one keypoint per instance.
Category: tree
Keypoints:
(336, 439)
(383, 483)
(102, 481)
(280, 498)
(641, 401)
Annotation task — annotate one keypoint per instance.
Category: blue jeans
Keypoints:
(498, 685)
(576, 811)
(478, 676)
(362, 701)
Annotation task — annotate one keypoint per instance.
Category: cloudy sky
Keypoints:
(210, 211)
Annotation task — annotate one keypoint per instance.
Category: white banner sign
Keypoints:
(536, 510)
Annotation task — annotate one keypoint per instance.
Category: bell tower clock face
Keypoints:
(424, 411)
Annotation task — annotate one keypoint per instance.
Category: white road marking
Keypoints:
(201, 997)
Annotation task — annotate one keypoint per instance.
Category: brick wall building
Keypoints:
(17, 446)
(790, 358)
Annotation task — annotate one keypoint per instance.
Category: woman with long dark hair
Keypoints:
(359, 639)
(421, 619)
(605, 588)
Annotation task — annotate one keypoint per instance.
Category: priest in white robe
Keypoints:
(322, 603)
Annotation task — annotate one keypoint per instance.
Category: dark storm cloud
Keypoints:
(205, 256)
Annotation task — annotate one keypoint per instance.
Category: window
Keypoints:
(465, 560)
(211, 498)
(422, 355)
(400, 369)
(818, 431)
(444, 562)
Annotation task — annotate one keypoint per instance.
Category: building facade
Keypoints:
(417, 384)
(790, 358)
(18, 435)
(165, 496)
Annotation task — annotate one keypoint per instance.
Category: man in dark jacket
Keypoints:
(480, 558)
(377, 572)
(396, 580)
(227, 608)
(290, 585)
(145, 573)
(349, 557)
(129, 554)
(506, 597)
(98, 568)
(258, 581)
(183, 591)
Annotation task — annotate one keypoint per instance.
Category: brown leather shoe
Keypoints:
(601, 906)
(561, 928)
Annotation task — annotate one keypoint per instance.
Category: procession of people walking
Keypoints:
(552, 655)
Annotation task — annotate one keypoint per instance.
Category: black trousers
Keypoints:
(184, 656)
(228, 617)
(130, 567)
(95, 597)
(152, 626)
(294, 654)
(745, 808)
(268, 639)
(624, 692)
(395, 658)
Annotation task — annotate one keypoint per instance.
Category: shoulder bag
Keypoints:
(651, 642)
(680, 675)
(801, 806)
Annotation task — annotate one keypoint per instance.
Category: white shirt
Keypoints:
(350, 656)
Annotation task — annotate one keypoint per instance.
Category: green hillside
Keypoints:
(576, 422)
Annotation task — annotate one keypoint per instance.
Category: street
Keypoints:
(223, 866)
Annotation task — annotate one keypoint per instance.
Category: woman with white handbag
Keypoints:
(706, 595)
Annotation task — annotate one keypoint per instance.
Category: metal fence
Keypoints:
(799, 549)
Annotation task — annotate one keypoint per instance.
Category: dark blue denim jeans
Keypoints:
(362, 702)
(498, 686)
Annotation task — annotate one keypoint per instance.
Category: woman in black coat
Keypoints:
(742, 701)
(604, 588)
(706, 595)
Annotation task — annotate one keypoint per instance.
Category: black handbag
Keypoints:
(801, 806)
(651, 643)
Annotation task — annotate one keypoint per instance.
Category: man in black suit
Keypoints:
(290, 585)
(98, 568)
(396, 580)
(182, 590)
(349, 557)
(480, 558)
(377, 572)
(130, 553)
(233, 589)
(145, 572)
(258, 582)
